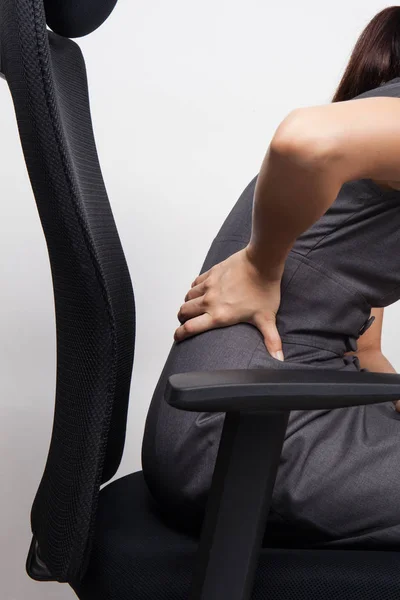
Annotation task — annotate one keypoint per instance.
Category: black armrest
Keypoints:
(273, 389)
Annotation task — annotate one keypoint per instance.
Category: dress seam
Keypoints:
(299, 341)
(313, 265)
(382, 298)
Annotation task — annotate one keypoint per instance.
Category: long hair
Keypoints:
(375, 58)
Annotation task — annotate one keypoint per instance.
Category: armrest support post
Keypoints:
(238, 505)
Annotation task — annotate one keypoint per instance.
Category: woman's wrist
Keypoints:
(268, 265)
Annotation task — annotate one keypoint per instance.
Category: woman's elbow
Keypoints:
(298, 140)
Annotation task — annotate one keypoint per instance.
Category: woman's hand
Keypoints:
(233, 291)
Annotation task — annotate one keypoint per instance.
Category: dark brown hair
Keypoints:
(375, 58)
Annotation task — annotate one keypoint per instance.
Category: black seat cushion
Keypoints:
(138, 556)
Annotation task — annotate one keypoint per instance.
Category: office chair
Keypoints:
(111, 543)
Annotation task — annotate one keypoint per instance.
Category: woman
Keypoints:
(301, 269)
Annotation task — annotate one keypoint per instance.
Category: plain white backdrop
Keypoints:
(185, 99)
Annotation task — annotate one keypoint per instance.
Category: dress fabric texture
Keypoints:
(337, 483)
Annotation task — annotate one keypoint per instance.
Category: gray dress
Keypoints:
(338, 482)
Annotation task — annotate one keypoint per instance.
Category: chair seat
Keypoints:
(137, 556)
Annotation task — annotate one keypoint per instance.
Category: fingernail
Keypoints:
(278, 355)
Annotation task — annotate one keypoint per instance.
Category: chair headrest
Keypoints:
(71, 19)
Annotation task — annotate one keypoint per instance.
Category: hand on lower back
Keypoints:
(233, 291)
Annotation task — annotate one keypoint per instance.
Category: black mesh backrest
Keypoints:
(94, 302)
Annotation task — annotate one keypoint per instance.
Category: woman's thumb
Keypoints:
(272, 339)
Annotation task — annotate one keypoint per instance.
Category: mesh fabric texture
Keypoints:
(94, 302)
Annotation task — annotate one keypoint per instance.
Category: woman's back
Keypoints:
(340, 268)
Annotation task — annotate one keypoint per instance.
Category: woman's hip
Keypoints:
(180, 447)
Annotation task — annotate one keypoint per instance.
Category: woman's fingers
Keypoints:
(272, 339)
(191, 308)
(232, 291)
(196, 291)
(201, 278)
(195, 326)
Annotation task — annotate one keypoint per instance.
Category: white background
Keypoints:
(185, 98)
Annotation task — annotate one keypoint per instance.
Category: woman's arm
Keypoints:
(314, 151)
(369, 350)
